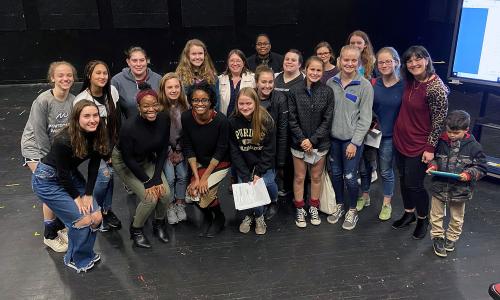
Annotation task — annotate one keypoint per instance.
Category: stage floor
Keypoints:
(373, 261)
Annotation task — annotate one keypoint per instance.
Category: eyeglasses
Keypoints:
(385, 62)
(202, 101)
(263, 44)
(322, 53)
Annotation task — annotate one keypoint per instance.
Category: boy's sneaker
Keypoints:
(245, 224)
(315, 219)
(385, 212)
(172, 215)
(449, 245)
(438, 246)
(362, 202)
(351, 218)
(63, 235)
(57, 244)
(260, 225)
(335, 217)
(180, 210)
(300, 217)
(109, 219)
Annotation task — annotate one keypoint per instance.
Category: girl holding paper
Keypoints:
(253, 150)
(310, 120)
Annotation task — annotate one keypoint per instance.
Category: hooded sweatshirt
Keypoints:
(128, 87)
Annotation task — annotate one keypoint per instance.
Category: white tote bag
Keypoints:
(327, 202)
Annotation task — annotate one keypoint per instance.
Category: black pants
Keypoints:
(411, 179)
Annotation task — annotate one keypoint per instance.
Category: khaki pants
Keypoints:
(454, 230)
(145, 207)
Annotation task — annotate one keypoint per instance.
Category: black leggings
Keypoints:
(411, 179)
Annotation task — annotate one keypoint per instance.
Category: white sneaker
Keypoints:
(180, 210)
(57, 244)
(300, 217)
(315, 219)
(63, 234)
(245, 224)
(172, 215)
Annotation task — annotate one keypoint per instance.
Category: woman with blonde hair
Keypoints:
(174, 102)
(253, 150)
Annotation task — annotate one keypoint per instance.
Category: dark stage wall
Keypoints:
(36, 32)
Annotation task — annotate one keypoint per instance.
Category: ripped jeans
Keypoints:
(103, 189)
(81, 240)
(344, 170)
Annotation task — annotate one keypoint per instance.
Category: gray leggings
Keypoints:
(145, 207)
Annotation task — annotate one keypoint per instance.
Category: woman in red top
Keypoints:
(416, 133)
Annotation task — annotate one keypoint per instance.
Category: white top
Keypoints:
(85, 95)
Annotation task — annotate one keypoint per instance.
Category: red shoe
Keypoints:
(494, 291)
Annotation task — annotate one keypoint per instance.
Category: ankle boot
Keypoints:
(218, 223)
(137, 235)
(159, 230)
(207, 221)
(406, 219)
(421, 228)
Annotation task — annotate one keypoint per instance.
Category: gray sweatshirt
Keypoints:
(352, 114)
(47, 117)
(127, 87)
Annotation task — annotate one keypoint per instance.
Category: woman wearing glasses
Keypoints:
(324, 51)
(205, 145)
(139, 158)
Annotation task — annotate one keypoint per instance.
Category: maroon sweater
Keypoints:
(421, 117)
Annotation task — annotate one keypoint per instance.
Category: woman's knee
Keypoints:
(83, 222)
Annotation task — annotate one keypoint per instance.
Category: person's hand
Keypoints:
(160, 190)
(175, 157)
(306, 145)
(464, 176)
(192, 188)
(150, 194)
(255, 178)
(81, 205)
(203, 186)
(427, 157)
(88, 202)
(350, 151)
(431, 168)
(32, 165)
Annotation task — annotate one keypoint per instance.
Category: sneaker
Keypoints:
(72, 265)
(374, 176)
(406, 219)
(260, 225)
(245, 224)
(385, 212)
(63, 235)
(449, 245)
(362, 202)
(339, 212)
(315, 219)
(111, 219)
(97, 258)
(57, 244)
(438, 246)
(104, 225)
(180, 210)
(172, 215)
(351, 218)
(300, 217)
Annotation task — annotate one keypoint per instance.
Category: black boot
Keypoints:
(137, 235)
(272, 210)
(406, 219)
(159, 230)
(218, 223)
(207, 221)
(421, 228)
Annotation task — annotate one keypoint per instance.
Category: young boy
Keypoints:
(457, 152)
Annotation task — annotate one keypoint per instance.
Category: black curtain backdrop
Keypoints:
(37, 32)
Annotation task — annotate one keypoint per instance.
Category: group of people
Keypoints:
(172, 139)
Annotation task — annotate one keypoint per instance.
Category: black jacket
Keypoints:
(275, 62)
(457, 157)
(249, 158)
(277, 106)
(310, 116)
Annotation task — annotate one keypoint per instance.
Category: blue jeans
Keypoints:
(103, 189)
(177, 178)
(81, 239)
(272, 188)
(386, 159)
(344, 169)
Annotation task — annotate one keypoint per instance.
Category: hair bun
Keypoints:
(144, 86)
